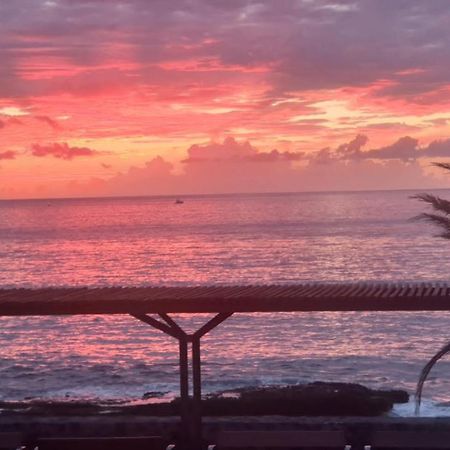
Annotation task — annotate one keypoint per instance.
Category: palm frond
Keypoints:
(425, 372)
(439, 204)
(442, 221)
(445, 166)
(436, 219)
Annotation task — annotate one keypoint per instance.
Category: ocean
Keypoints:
(222, 239)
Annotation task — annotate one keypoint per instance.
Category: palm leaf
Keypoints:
(445, 166)
(439, 204)
(442, 221)
(436, 219)
(425, 372)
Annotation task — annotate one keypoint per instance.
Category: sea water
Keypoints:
(227, 239)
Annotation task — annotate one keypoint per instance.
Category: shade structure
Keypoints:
(364, 296)
(143, 302)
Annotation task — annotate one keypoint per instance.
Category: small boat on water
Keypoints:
(179, 201)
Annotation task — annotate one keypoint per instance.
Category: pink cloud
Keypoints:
(230, 167)
(233, 150)
(323, 156)
(9, 154)
(61, 151)
(439, 148)
(353, 148)
(276, 155)
(325, 171)
(405, 149)
(230, 149)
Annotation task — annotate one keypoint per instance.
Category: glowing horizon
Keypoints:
(138, 98)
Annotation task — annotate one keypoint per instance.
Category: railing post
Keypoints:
(197, 392)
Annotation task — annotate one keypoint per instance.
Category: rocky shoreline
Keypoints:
(314, 399)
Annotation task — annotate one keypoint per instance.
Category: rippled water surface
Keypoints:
(216, 240)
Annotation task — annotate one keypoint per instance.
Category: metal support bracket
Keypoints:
(191, 414)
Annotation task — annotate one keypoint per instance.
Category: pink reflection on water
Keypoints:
(118, 357)
(234, 239)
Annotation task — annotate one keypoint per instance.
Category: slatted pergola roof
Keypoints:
(223, 301)
(370, 296)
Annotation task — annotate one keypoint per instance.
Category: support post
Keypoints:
(197, 392)
(191, 418)
(196, 369)
(184, 388)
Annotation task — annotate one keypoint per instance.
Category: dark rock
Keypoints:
(50, 408)
(315, 399)
(396, 395)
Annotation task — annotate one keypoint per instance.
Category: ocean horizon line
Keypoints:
(218, 195)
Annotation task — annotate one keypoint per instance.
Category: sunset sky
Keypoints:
(139, 97)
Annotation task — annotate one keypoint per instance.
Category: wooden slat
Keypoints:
(292, 291)
(395, 293)
(309, 288)
(404, 290)
(279, 292)
(338, 289)
(428, 290)
(318, 291)
(328, 291)
(370, 289)
(387, 290)
(236, 292)
(378, 291)
(358, 291)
